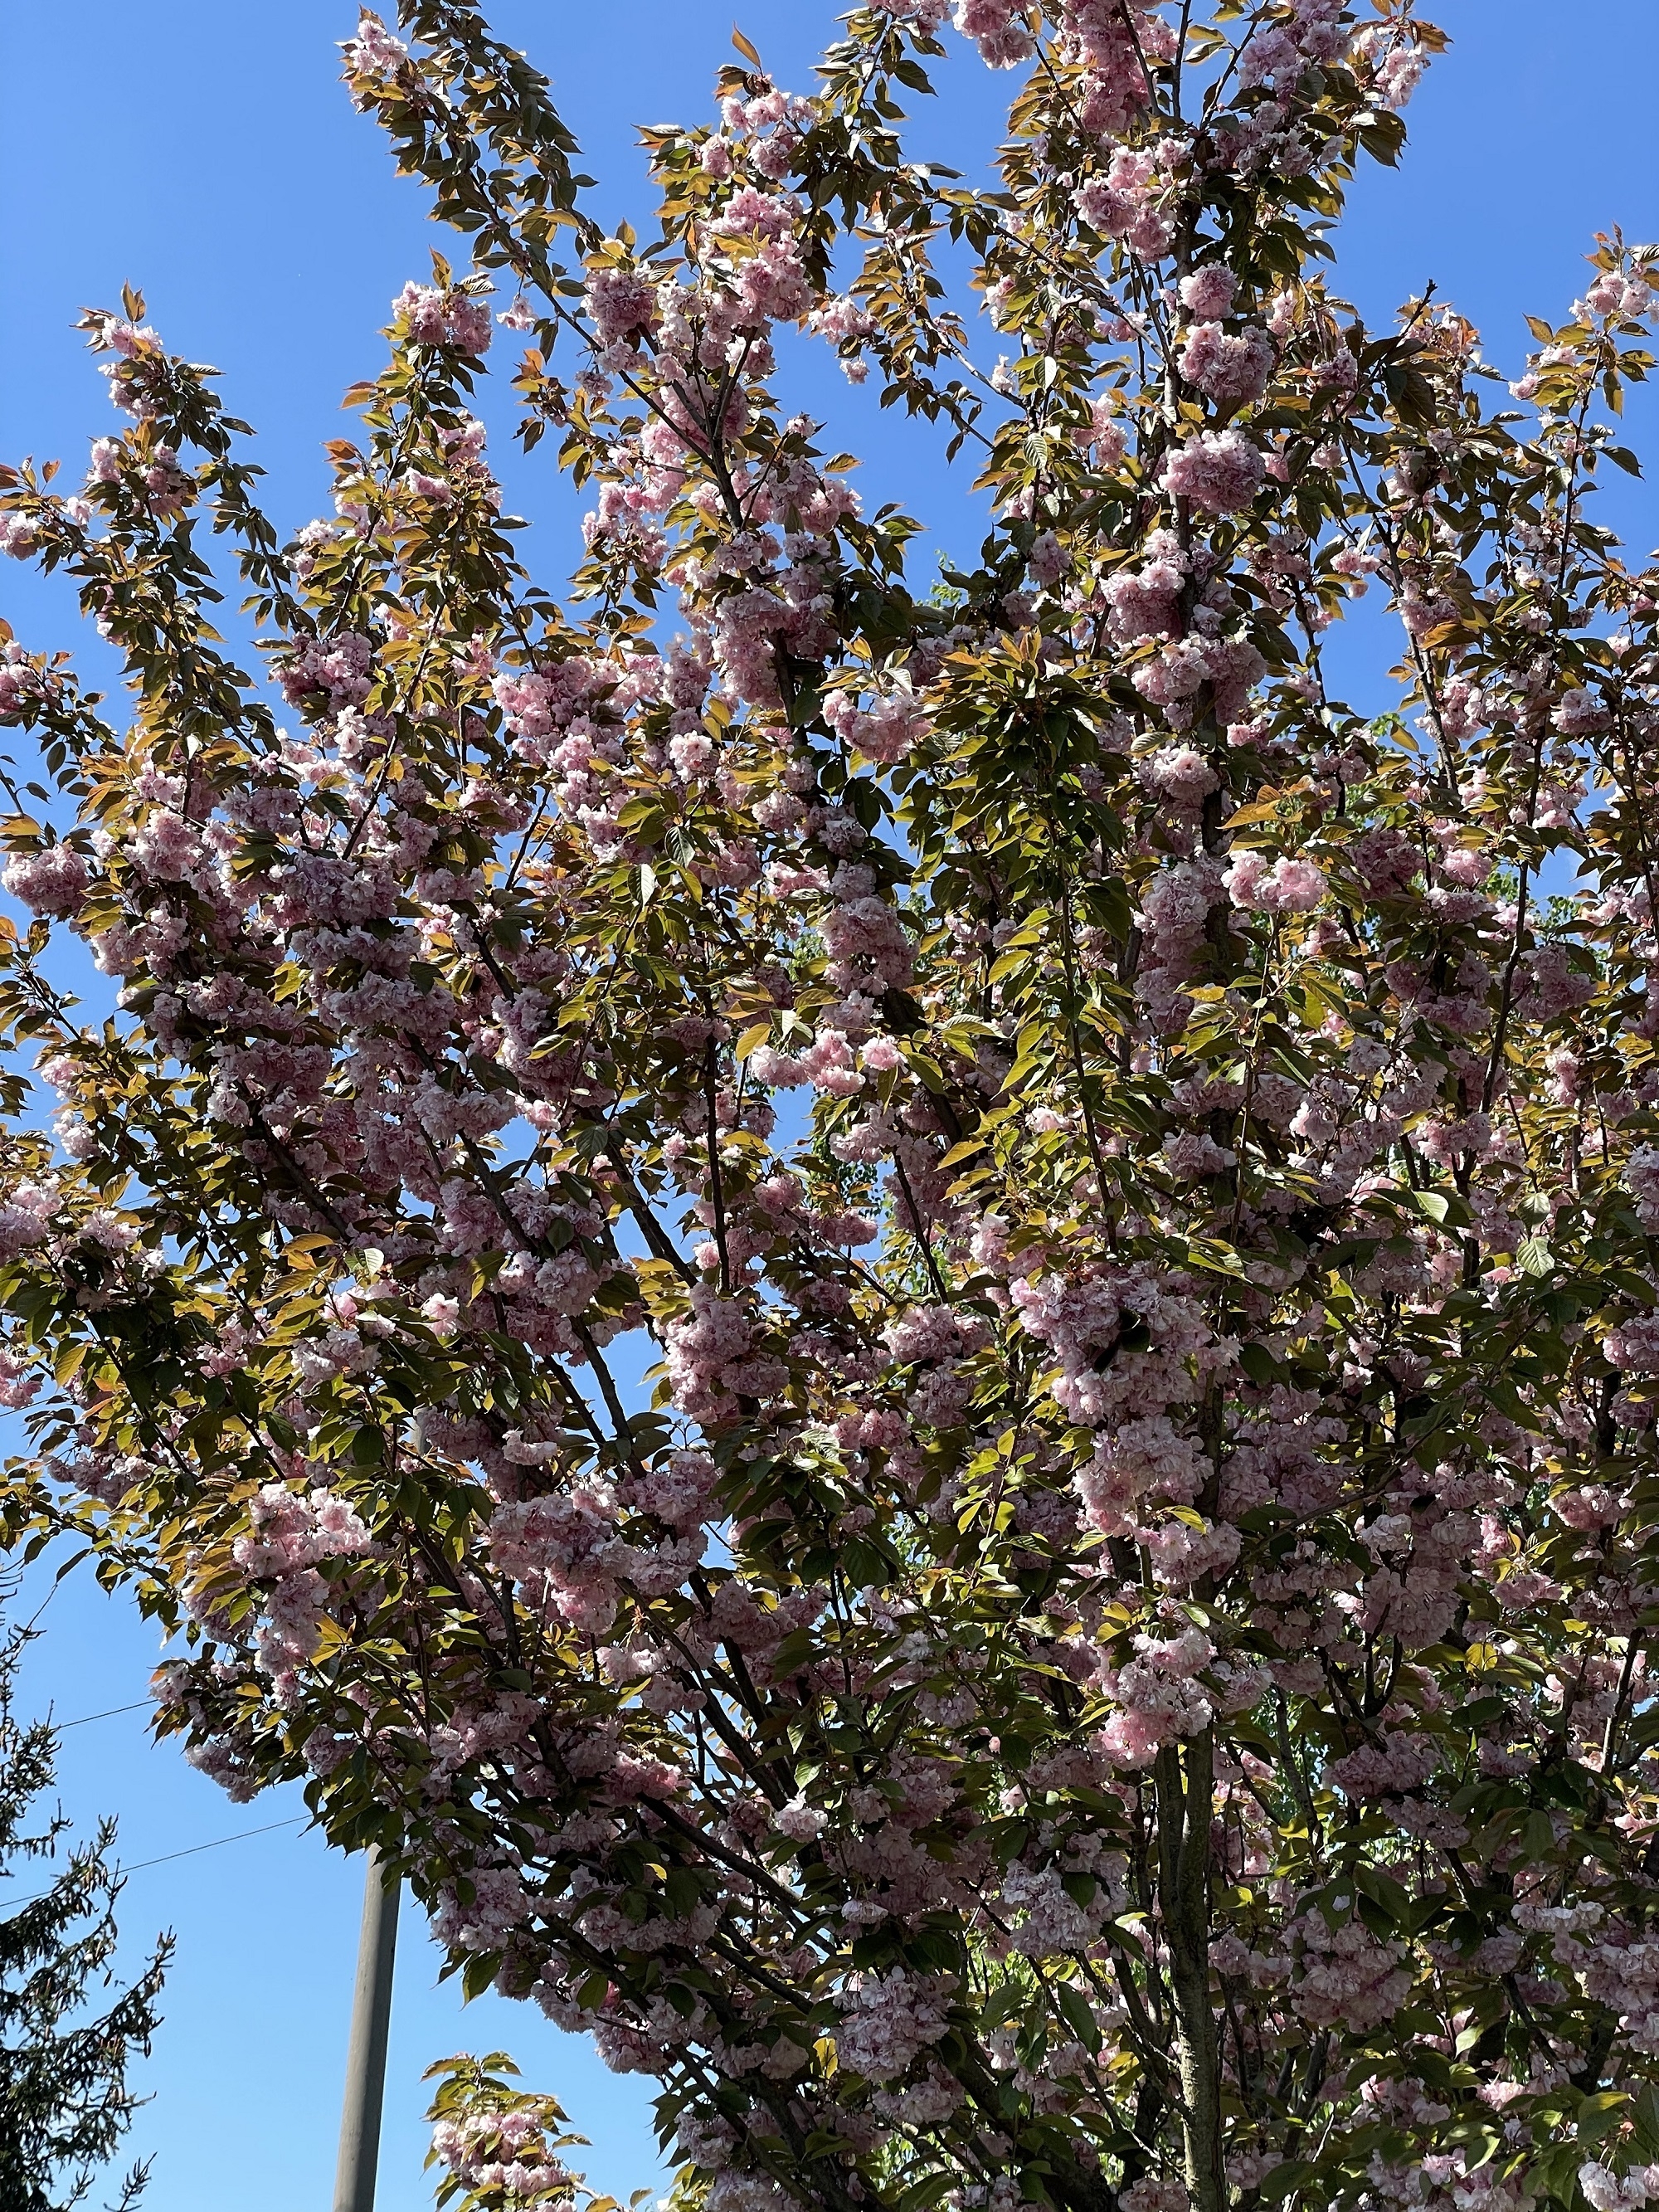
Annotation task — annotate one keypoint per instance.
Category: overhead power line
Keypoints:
(108, 1714)
(189, 1852)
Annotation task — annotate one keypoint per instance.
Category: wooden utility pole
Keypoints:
(371, 2017)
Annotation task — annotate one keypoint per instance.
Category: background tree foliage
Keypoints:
(65, 2103)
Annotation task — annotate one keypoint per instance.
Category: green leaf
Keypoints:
(1078, 2016)
(1259, 1364)
(1215, 1257)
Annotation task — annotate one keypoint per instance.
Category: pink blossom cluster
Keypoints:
(1159, 1697)
(621, 305)
(1130, 203)
(26, 1212)
(1231, 370)
(998, 27)
(1114, 40)
(886, 730)
(434, 316)
(1289, 885)
(847, 325)
(18, 1386)
(291, 1534)
(1395, 61)
(504, 2153)
(1174, 910)
(1135, 1462)
(1276, 52)
(25, 688)
(1173, 677)
(925, 15)
(1346, 1975)
(1607, 2191)
(714, 1360)
(335, 672)
(292, 1531)
(375, 51)
(1220, 472)
(1152, 2194)
(51, 880)
(1145, 601)
(888, 2020)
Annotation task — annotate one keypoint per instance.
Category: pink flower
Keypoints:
(1642, 1179)
(1135, 1460)
(1151, 2195)
(1393, 1767)
(1106, 435)
(1229, 370)
(1397, 63)
(886, 731)
(26, 1213)
(1160, 1699)
(1287, 886)
(23, 685)
(998, 27)
(51, 881)
(335, 672)
(17, 1386)
(375, 51)
(772, 285)
(1271, 51)
(925, 15)
(444, 318)
(1219, 471)
(829, 1065)
(889, 2020)
(1145, 602)
(801, 1822)
(1348, 1976)
(1604, 2192)
(693, 754)
(1191, 1155)
(1581, 714)
(1209, 292)
(1126, 204)
(1181, 774)
(622, 304)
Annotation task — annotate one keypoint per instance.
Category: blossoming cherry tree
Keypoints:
(1105, 1664)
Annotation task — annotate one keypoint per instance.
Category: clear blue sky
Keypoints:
(205, 150)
